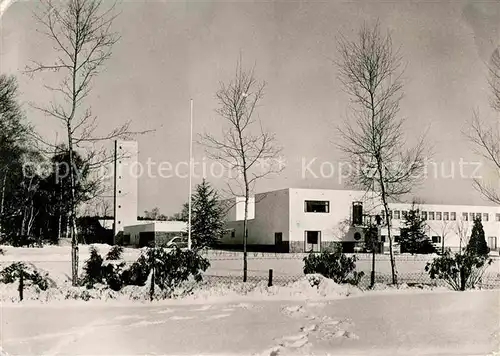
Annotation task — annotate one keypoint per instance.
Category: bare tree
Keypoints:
(442, 230)
(485, 137)
(372, 137)
(80, 32)
(462, 229)
(246, 148)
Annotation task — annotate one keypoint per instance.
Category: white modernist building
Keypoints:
(128, 230)
(298, 220)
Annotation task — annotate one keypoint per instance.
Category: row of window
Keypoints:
(323, 206)
(446, 216)
(491, 241)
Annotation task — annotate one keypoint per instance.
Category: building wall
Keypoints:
(334, 226)
(272, 215)
(133, 231)
(283, 211)
(126, 184)
(161, 230)
(236, 211)
(455, 232)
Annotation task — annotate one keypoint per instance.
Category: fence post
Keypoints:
(21, 283)
(152, 286)
(270, 282)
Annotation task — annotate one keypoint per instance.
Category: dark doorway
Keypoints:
(312, 241)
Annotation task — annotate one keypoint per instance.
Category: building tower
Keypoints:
(126, 174)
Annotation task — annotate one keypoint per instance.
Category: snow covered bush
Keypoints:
(97, 270)
(460, 271)
(115, 253)
(334, 265)
(168, 268)
(172, 268)
(12, 273)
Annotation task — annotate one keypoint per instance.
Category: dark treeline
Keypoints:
(34, 185)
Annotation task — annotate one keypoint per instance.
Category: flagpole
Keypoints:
(190, 174)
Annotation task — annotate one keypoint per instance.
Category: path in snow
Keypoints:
(429, 323)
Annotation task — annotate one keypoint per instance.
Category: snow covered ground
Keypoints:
(246, 319)
(376, 323)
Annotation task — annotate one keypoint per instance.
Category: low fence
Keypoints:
(488, 281)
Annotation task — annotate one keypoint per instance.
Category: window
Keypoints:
(465, 216)
(453, 216)
(492, 242)
(424, 215)
(382, 238)
(312, 241)
(486, 216)
(478, 216)
(396, 238)
(446, 216)
(471, 216)
(404, 214)
(316, 206)
(436, 239)
(396, 215)
(497, 217)
(233, 234)
(438, 216)
(431, 215)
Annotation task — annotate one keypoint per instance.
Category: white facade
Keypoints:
(126, 184)
(155, 228)
(286, 218)
(453, 223)
(236, 208)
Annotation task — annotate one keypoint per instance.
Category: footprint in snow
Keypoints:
(274, 351)
(309, 328)
(293, 310)
(296, 344)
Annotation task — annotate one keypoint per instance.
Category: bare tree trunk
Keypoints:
(2, 203)
(31, 219)
(389, 236)
(23, 222)
(59, 223)
(245, 235)
(72, 218)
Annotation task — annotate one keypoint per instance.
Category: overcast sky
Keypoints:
(170, 52)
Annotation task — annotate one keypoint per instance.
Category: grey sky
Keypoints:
(170, 52)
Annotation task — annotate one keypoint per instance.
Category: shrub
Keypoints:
(459, 271)
(11, 274)
(334, 265)
(171, 268)
(97, 270)
(175, 266)
(477, 243)
(115, 253)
